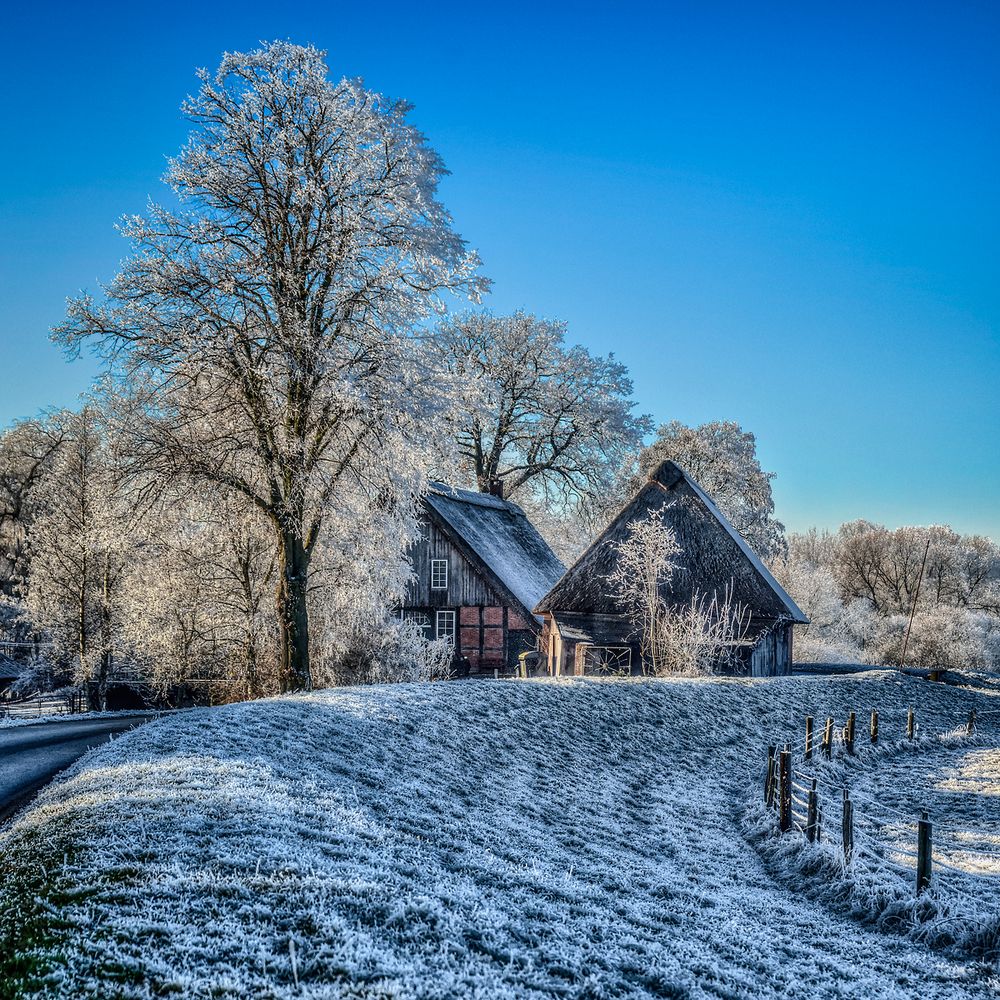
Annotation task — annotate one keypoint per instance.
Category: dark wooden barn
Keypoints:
(586, 629)
(479, 568)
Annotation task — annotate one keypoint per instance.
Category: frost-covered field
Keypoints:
(513, 839)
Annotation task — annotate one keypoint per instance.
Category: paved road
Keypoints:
(30, 756)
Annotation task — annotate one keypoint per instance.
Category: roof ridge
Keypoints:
(666, 477)
(462, 495)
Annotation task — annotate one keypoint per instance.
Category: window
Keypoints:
(446, 625)
(421, 620)
(439, 574)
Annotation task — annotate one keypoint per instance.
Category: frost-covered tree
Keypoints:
(859, 586)
(270, 318)
(81, 545)
(941, 636)
(27, 449)
(539, 416)
(722, 459)
(360, 580)
(884, 566)
(197, 602)
(645, 562)
(697, 637)
(838, 632)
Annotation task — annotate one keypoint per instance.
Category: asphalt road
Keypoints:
(30, 756)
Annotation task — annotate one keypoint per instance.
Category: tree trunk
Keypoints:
(104, 671)
(293, 612)
(102, 681)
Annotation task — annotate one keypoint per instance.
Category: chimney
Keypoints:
(495, 488)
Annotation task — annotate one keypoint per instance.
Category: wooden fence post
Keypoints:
(785, 790)
(923, 853)
(769, 780)
(809, 737)
(849, 733)
(812, 818)
(910, 724)
(828, 738)
(874, 726)
(971, 727)
(847, 827)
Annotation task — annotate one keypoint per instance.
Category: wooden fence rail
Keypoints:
(780, 789)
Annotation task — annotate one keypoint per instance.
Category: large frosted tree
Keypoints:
(722, 459)
(539, 416)
(269, 319)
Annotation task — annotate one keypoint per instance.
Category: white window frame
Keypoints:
(439, 582)
(419, 618)
(442, 629)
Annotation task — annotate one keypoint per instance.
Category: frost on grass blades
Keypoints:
(518, 840)
(951, 779)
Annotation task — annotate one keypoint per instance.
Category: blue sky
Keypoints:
(784, 215)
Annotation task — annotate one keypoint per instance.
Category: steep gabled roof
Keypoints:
(497, 536)
(714, 556)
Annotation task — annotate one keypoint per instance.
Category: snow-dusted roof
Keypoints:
(714, 557)
(500, 537)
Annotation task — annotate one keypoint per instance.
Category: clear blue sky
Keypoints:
(782, 215)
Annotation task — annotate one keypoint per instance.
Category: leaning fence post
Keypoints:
(812, 819)
(923, 853)
(910, 724)
(971, 727)
(785, 790)
(874, 726)
(769, 780)
(828, 738)
(809, 737)
(847, 827)
(849, 733)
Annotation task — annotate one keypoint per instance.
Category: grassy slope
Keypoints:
(577, 839)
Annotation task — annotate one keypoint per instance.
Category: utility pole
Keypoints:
(913, 607)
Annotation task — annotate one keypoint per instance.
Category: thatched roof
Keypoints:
(497, 536)
(714, 557)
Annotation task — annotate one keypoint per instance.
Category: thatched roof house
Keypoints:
(480, 567)
(586, 628)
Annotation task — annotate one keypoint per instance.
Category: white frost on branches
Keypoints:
(270, 321)
(699, 637)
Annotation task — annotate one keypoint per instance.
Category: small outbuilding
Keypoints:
(586, 629)
(479, 567)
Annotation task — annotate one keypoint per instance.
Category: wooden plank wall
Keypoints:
(466, 585)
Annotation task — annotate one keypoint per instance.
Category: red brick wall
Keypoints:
(493, 616)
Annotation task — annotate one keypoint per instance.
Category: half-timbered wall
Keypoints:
(489, 633)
